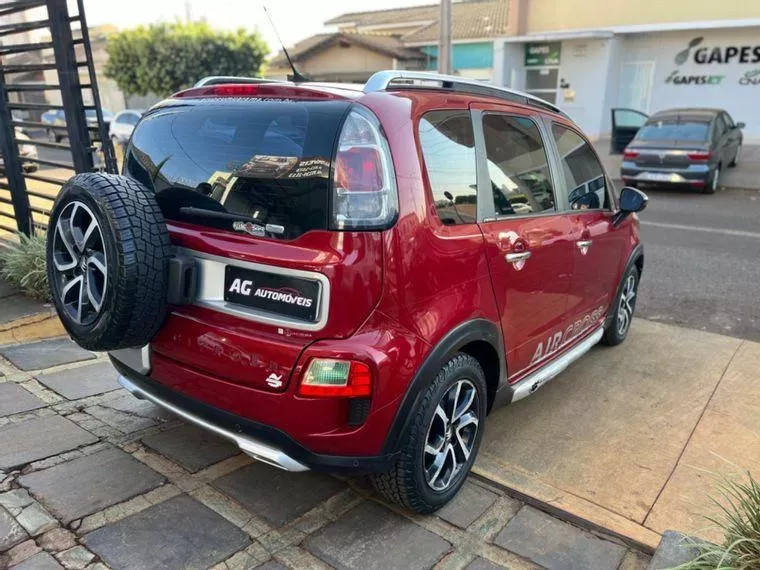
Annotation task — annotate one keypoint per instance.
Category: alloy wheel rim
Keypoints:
(626, 305)
(80, 264)
(451, 435)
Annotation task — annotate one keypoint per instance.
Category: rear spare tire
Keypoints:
(107, 261)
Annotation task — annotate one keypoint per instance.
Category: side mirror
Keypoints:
(739, 125)
(631, 200)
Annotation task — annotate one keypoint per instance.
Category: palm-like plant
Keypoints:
(740, 522)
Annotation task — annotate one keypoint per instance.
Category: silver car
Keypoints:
(25, 150)
(122, 126)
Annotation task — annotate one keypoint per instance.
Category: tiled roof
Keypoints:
(470, 20)
(390, 45)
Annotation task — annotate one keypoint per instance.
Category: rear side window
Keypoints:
(266, 162)
(587, 185)
(447, 142)
(520, 179)
(674, 130)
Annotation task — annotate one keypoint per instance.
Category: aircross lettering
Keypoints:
(562, 338)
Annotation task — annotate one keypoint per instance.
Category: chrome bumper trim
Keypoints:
(210, 292)
(256, 449)
(534, 381)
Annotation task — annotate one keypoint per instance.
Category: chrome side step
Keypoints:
(256, 449)
(534, 381)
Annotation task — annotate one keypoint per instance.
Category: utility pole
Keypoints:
(444, 39)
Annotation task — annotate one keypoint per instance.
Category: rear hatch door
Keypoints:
(245, 186)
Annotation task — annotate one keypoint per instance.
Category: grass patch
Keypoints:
(740, 522)
(23, 264)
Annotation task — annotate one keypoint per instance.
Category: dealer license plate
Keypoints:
(271, 292)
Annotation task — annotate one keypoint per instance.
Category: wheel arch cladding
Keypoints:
(481, 339)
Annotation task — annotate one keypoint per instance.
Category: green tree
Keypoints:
(164, 58)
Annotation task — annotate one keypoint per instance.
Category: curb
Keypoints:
(565, 506)
(39, 326)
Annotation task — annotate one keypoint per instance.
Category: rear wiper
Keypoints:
(202, 213)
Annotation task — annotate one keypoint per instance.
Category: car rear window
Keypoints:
(264, 162)
(674, 130)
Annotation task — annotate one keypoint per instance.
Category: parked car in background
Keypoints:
(56, 117)
(122, 125)
(26, 151)
(349, 278)
(682, 147)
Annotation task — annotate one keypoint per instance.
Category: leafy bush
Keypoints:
(164, 58)
(23, 265)
(740, 523)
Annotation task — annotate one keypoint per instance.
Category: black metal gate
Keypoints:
(33, 170)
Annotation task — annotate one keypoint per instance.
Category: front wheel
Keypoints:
(737, 154)
(623, 307)
(441, 444)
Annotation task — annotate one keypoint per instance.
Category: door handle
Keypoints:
(515, 257)
(583, 245)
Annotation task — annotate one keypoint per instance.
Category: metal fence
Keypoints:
(48, 85)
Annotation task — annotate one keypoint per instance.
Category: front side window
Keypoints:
(448, 147)
(517, 166)
(584, 175)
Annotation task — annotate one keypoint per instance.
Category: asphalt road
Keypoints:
(702, 261)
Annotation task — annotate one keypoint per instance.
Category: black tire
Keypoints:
(713, 182)
(406, 483)
(735, 160)
(614, 334)
(131, 278)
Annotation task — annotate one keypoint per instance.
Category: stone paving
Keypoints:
(93, 478)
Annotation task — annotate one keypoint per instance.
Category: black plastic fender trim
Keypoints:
(450, 344)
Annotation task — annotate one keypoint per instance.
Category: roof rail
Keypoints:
(384, 80)
(222, 79)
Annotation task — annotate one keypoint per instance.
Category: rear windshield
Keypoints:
(674, 130)
(265, 162)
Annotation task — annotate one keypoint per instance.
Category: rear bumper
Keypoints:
(262, 442)
(695, 175)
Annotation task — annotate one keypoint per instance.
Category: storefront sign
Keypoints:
(750, 78)
(677, 78)
(546, 53)
(702, 55)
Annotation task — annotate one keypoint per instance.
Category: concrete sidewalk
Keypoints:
(91, 477)
(635, 438)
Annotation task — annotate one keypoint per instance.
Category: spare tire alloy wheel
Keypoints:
(451, 435)
(80, 262)
(107, 261)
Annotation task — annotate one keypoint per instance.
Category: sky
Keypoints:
(294, 19)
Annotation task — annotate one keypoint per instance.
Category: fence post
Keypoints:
(71, 91)
(12, 164)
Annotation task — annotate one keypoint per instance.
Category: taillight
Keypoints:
(364, 184)
(630, 154)
(699, 155)
(336, 378)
